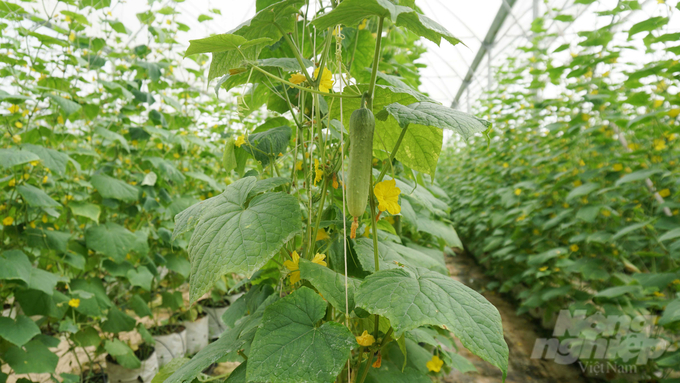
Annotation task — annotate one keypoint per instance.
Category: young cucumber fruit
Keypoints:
(361, 126)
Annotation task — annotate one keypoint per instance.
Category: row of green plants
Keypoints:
(102, 146)
(122, 181)
(574, 205)
(342, 203)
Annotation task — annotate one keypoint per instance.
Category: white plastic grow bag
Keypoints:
(145, 373)
(197, 334)
(171, 346)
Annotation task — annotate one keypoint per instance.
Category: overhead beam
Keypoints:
(488, 42)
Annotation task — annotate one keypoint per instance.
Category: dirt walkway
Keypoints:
(520, 335)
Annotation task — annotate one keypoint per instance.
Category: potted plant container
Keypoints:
(144, 373)
(171, 342)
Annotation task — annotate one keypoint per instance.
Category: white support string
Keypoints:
(338, 56)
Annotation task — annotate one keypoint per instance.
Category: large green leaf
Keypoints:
(112, 136)
(351, 12)
(16, 266)
(222, 43)
(36, 197)
(265, 24)
(392, 255)
(13, 157)
(671, 314)
(48, 239)
(229, 342)
(167, 169)
(18, 331)
(410, 299)
(122, 353)
(290, 348)
(435, 115)
(329, 283)
(67, 107)
(110, 239)
(110, 187)
(85, 209)
(52, 159)
(117, 321)
(234, 235)
(33, 358)
(267, 145)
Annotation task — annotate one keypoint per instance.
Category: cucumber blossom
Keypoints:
(361, 126)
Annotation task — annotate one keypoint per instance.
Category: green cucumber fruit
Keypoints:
(361, 126)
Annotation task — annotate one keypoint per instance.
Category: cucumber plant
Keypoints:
(349, 308)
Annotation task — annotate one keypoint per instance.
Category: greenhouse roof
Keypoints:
(455, 75)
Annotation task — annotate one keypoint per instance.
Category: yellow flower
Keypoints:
(674, 112)
(326, 82)
(387, 193)
(580, 162)
(518, 191)
(44, 180)
(298, 165)
(659, 144)
(12, 182)
(363, 24)
(8, 221)
(75, 302)
(335, 31)
(32, 225)
(318, 172)
(294, 267)
(16, 138)
(176, 155)
(659, 294)
(578, 183)
(617, 167)
(321, 235)
(297, 78)
(606, 213)
(159, 146)
(665, 193)
(505, 164)
(14, 109)
(34, 163)
(435, 364)
(319, 259)
(365, 339)
(544, 268)
(676, 282)
(573, 247)
(72, 37)
(240, 140)
(633, 146)
(657, 103)
(335, 181)
(44, 218)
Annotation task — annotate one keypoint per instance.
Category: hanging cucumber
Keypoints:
(361, 126)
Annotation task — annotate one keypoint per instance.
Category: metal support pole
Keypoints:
(469, 106)
(489, 69)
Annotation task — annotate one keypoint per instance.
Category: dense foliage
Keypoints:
(122, 182)
(575, 202)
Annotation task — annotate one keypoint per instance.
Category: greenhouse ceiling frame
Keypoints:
(487, 44)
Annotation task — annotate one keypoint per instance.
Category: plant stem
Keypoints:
(376, 61)
(374, 229)
(318, 216)
(296, 52)
(393, 153)
(275, 77)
